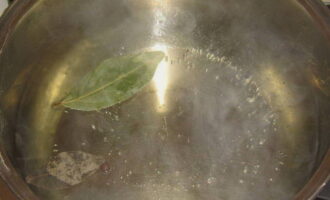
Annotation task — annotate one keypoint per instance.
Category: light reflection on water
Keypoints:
(161, 79)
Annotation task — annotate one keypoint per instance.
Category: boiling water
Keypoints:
(204, 128)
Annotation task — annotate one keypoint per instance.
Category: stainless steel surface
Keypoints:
(325, 194)
(238, 110)
(3, 6)
(327, 2)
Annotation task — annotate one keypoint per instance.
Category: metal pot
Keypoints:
(239, 109)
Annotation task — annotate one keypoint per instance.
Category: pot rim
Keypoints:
(14, 182)
(17, 186)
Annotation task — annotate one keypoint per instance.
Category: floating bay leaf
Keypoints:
(113, 81)
(71, 167)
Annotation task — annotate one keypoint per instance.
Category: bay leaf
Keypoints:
(71, 167)
(113, 81)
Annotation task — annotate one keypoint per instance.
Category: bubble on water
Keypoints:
(117, 118)
(262, 141)
(211, 180)
(93, 127)
(250, 99)
(256, 169)
(241, 181)
(105, 139)
(245, 170)
(217, 77)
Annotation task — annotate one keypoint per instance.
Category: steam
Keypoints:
(223, 131)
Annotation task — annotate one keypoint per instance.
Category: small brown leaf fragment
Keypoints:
(71, 167)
